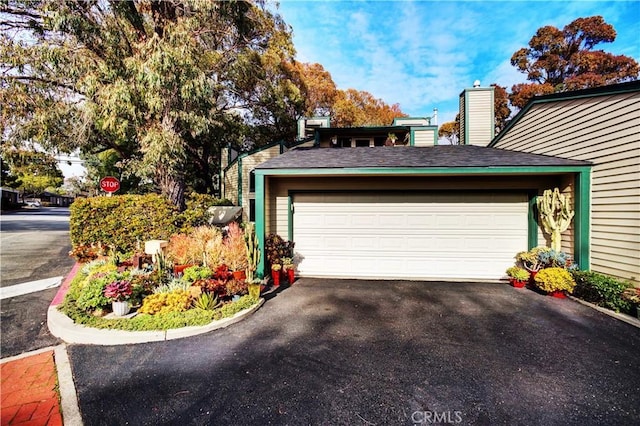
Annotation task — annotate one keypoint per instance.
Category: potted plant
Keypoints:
(275, 274)
(234, 251)
(119, 293)
(253, 259)
(288, 268)
(555, 281)
(518, 276)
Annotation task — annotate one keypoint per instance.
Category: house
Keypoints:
(237, 176)
(602, 126)
(424, 211)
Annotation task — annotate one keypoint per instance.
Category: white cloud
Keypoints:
(423, 54)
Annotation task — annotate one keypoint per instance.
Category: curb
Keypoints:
(64, 328)
(622, 317)
(66, 388)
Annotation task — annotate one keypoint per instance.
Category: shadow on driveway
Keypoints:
(333, 352)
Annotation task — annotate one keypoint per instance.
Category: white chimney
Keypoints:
(434, 122)
(476, 83)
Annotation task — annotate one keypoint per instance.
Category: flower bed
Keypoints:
(163, 296)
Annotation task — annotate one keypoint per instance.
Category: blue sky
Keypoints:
(422, 54)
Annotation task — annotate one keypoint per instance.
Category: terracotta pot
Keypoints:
(239, 275)
(179, 269)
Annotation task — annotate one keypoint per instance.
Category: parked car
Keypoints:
(33, 203)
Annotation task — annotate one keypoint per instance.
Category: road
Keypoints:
(34, 245)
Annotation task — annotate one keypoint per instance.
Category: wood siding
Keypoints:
(425, 137)
(477, 128)
(606, 131)
(230, 184)
(249, 163)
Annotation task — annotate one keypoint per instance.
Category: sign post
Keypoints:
(109, 184)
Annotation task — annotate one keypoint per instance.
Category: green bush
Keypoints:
(92, 295)
(124, 221)
(602, 290)
(554, 279)
(196, 212)
(121, 221)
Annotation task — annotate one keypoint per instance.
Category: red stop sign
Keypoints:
(109, 184)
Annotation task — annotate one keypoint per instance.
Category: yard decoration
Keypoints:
(555, 215)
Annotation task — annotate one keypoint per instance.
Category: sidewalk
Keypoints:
(36, 388)
(29, 390)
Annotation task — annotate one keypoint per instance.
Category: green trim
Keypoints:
(582, 220)
(367, 171)
(290, 216)
(412, 136)
(532, 230)
(260, 222)
(240, 181)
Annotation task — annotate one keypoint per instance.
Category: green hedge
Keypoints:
(602, 290)
(121, 221)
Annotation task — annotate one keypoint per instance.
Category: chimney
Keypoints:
(477, 122)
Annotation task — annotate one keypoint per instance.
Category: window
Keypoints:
(252, 181)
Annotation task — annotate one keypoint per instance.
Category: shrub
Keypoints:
(517, 273)
(183, 250)
(120, 222)
(554, 279)
(92, 295)
(196, 212)
(602, 290)
(234, 249)
(158, 303)
(276, 248)
(196, 273)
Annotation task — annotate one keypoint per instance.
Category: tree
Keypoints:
(319, 89)
(354, 108)
(500, 107)
(451, 131)
(162, 85)
(34, 171)
(558, 60)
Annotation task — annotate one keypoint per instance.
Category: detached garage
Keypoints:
(426, 213)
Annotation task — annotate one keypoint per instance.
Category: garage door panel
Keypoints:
(432, 236)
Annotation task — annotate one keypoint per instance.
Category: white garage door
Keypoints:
(411, 236)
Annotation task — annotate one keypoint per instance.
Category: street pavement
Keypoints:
(333, 352)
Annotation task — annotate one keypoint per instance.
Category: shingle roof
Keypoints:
(412, 157)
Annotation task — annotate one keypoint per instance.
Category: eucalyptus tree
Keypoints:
(159, 84)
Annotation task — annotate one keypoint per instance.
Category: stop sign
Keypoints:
(109, 184)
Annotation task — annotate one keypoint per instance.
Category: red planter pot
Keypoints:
(558, 294)
(518, 284)
(291, 275)
(275, 276)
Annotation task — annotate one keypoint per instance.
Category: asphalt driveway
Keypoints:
(342, 352)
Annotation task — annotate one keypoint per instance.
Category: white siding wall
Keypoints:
(479, 121)
(606, 131)
(425, 137)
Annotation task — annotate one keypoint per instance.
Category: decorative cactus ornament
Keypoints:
(555, 215)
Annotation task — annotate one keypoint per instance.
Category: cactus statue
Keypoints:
(253, 251)
(555, 215)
